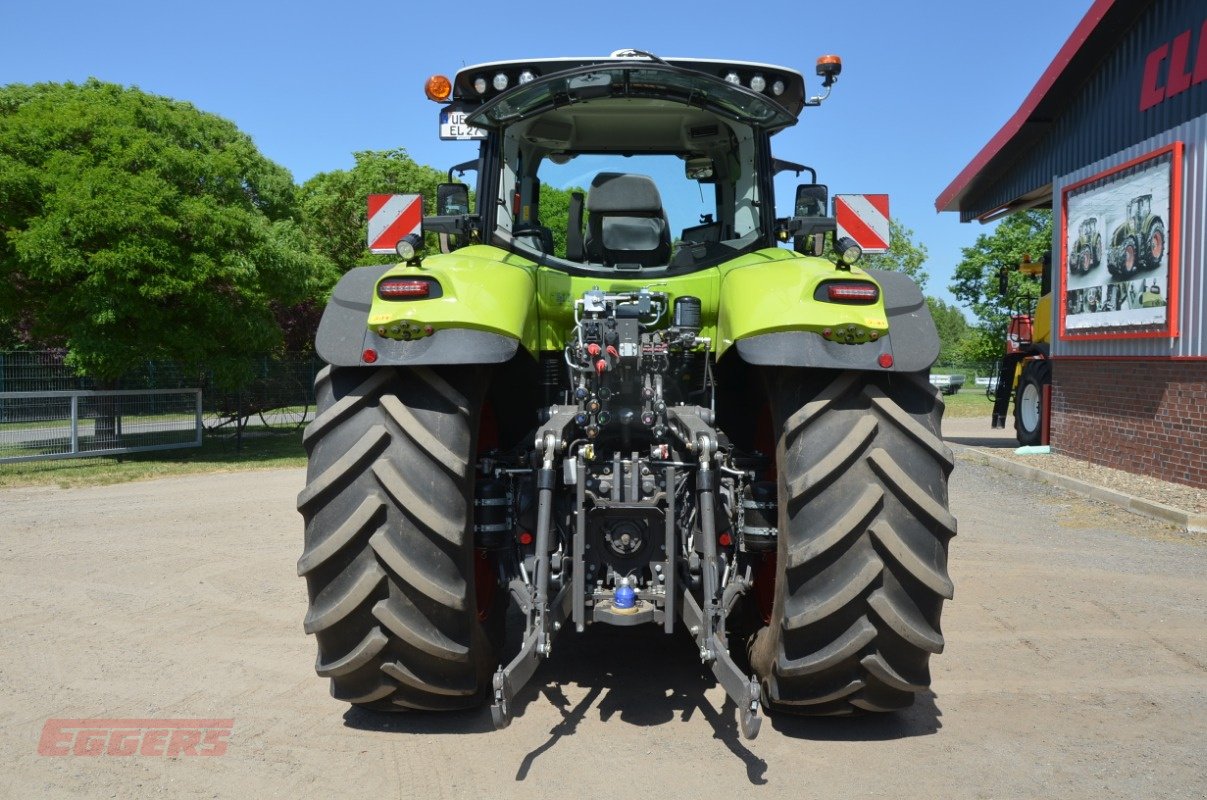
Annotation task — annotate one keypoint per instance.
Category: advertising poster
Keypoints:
(1117, 232)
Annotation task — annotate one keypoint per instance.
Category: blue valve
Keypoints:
(624, 597)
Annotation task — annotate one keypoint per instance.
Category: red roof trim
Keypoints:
(1015, 124)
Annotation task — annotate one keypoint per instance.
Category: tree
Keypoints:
(554, 213)
(334, 205)
(975, 280)
(952, 328)
(136, 227)
(979, 348)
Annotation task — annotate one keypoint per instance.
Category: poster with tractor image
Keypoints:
(1117, 228)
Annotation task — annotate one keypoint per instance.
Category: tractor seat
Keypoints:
(625, 221)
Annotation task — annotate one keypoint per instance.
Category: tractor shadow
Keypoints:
(643, 677)
(637, 676)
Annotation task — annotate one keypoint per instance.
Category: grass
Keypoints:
(261, 450)
(218, 453)
(968, 402)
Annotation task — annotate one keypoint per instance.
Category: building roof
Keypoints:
(1093, 38)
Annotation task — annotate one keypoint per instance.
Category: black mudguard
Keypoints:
(344, 336)
(912, 341)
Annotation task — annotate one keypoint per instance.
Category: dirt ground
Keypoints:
(1076, 667)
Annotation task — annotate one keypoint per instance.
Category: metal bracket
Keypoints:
(741, 688)
(509, 680)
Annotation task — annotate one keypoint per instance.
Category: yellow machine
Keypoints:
(1025, 371)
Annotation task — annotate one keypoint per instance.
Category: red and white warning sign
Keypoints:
(864, 218)
(391, 218)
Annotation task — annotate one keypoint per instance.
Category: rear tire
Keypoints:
(388, 555)
(1155, 245)
(862, 553)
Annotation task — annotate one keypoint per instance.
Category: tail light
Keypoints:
(851, 292)
(404, 289)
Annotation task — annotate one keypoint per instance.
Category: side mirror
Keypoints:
(452, 199)
(699, 169)
(812, 200)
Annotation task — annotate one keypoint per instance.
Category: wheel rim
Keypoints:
(1157, 246)
(1129, 257)
(286, 418)
(1029, 407)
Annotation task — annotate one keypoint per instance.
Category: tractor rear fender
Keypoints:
(480, 308)
(912, 340)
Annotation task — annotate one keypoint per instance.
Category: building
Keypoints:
(1113, 139)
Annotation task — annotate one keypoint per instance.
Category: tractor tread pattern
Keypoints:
(863, 545)
(371, 645)
(388, 554)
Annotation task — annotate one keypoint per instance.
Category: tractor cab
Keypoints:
(630, 163)
(1139, 208)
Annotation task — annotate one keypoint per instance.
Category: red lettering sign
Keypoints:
(1152, 91)
(1180, 75)
(128, 737)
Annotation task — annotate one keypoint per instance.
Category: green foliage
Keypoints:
(952, 327)
(136, 227)
(976, 276)
(334, 205)
(554, 213)
(979, 348)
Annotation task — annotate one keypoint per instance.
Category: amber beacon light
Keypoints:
(438, 88)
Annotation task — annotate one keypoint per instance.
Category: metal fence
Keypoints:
(71, 423)
(275, 382)
(155, 406)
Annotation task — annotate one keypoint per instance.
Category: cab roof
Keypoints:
(792, 98)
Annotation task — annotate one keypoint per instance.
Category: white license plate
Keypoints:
(452, 126)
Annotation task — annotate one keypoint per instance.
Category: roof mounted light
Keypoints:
(480, 85)
(732, 77)
(758, 83)
(828, 68)
(777, 88)
(500, 81)
(438, 88)
(527, 76)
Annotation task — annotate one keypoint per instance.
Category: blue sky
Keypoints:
(924, 85)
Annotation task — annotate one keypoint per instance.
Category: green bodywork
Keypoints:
(489, 289)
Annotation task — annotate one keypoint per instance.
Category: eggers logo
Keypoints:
(135, 737)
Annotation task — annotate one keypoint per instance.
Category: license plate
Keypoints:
(452, 126)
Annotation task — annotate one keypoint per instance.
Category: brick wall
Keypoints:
(1148, 417)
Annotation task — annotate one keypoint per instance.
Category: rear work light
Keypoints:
(403, 289)
(857, 293)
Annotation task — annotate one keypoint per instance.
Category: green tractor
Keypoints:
(1139, 242)
(638, 410)
(1086, 253)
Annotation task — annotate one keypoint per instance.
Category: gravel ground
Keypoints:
(1075, 667)
(978, 433)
